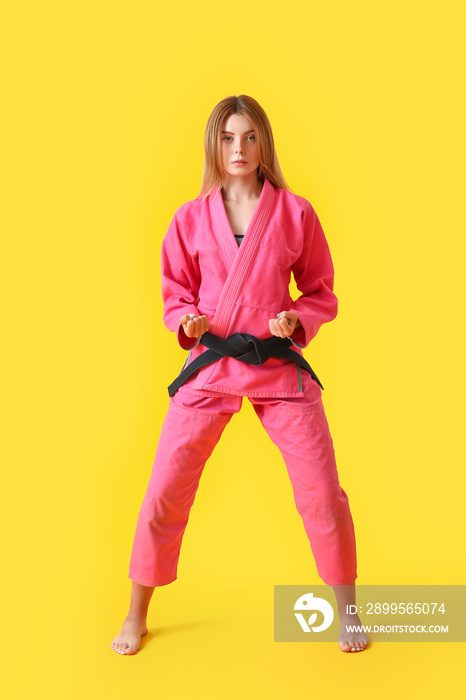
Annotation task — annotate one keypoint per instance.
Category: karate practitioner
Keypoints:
(227, 258)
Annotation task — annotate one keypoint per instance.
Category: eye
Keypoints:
(252, 137)
(226, 138)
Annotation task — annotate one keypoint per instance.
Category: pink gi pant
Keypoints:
(192, 427)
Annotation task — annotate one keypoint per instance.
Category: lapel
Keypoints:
(239, 258)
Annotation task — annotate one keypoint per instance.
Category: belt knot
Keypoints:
(249, 349)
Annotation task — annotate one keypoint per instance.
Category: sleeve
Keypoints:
(314, 275)
(181, 280)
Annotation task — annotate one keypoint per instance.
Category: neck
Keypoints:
(241, 188)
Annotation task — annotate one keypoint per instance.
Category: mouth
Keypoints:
(239, 162)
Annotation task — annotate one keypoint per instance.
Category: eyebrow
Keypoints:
(231, 132)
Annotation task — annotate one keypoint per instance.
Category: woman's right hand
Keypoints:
(194, 327)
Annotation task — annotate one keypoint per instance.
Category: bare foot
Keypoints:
(351, 640)
(129, 639)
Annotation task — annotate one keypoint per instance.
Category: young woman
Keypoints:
(226, 264)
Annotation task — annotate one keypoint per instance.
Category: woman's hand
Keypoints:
(194, 327)
(284, 325)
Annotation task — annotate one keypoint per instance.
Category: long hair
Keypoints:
(212, 176)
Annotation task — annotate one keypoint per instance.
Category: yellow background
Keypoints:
(104, 108)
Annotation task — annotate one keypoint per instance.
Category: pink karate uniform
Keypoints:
(239, 290)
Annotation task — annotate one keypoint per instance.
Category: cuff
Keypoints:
(185, 342)
(298, 337)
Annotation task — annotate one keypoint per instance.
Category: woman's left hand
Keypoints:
(285, 325)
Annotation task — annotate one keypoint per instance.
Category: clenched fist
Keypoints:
(194, 327)
(284, 325)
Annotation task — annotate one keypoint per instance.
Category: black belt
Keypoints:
(245, 348)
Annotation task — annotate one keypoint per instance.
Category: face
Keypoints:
(239, 146)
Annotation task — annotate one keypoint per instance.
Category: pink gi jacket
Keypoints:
(240, 288)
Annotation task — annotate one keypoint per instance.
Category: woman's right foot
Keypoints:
(129, 639)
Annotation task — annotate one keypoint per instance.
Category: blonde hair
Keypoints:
(212, 176)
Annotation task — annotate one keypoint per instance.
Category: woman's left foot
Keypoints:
(352, 639)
